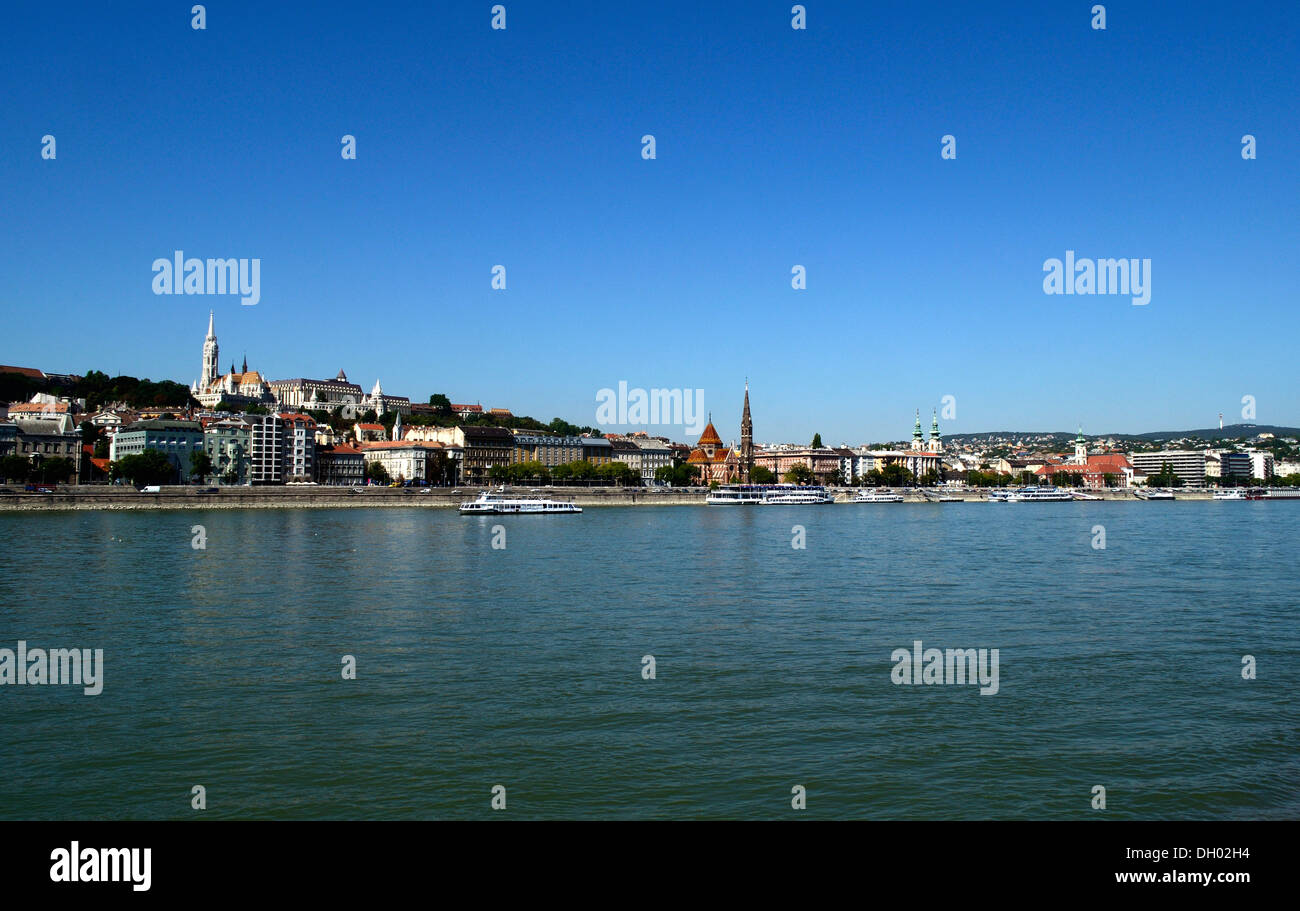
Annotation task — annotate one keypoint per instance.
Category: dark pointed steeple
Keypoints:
(746, 438)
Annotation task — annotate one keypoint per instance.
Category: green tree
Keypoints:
(620, 473)
(375, 471)
(761, 475)
(55, 470)
(149, 467)
(200, 465)
(1165, 477)
(533, 471)
(15, 468)
(679, 475)
(817, 441)
(799, 473)
(895, 474)
(930, 479)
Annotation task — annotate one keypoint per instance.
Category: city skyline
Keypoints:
(924, 275)
(211, 369)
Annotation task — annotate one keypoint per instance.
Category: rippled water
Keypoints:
(522, 667)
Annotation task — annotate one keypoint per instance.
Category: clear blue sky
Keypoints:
(775, 147)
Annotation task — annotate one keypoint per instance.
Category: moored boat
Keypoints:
(769, 495)
(1153, 494)
(796, 495)
(877, 496)
(1047, 494)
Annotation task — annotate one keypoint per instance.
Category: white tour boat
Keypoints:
(1038, 495)
(1153, 494)
(768, 495)
(736, 495)
(1232, 493)
(499, 503)
(795, 495)
(877, 496)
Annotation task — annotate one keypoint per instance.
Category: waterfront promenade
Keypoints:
(282, 497)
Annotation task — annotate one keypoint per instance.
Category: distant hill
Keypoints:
(1229, 432)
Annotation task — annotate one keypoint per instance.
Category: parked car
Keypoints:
(151, 488)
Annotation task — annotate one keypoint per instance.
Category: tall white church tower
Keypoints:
(209, 357)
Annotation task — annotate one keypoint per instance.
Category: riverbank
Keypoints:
(182, 497)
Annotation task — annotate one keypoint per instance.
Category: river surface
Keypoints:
(774, 665)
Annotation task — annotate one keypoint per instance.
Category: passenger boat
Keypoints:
(795, 495)
(877, 496)
(736, 495)
(1047, 494)
(1232, 493)
(500, 504)
(1153, 494)
(768, 495)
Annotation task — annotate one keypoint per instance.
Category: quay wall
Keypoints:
(182, 497)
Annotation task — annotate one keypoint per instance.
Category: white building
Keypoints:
(322, 395)
(655, 454)
(1188, 464)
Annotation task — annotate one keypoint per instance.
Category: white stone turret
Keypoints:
(209, 375)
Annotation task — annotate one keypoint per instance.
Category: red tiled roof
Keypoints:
(25, 371)
(399, 444)
(38, 408)
(698, 456)
(709, 436)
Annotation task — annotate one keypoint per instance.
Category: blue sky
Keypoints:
(775, 147)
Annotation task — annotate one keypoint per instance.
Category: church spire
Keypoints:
(746, 438)
(210, 355)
